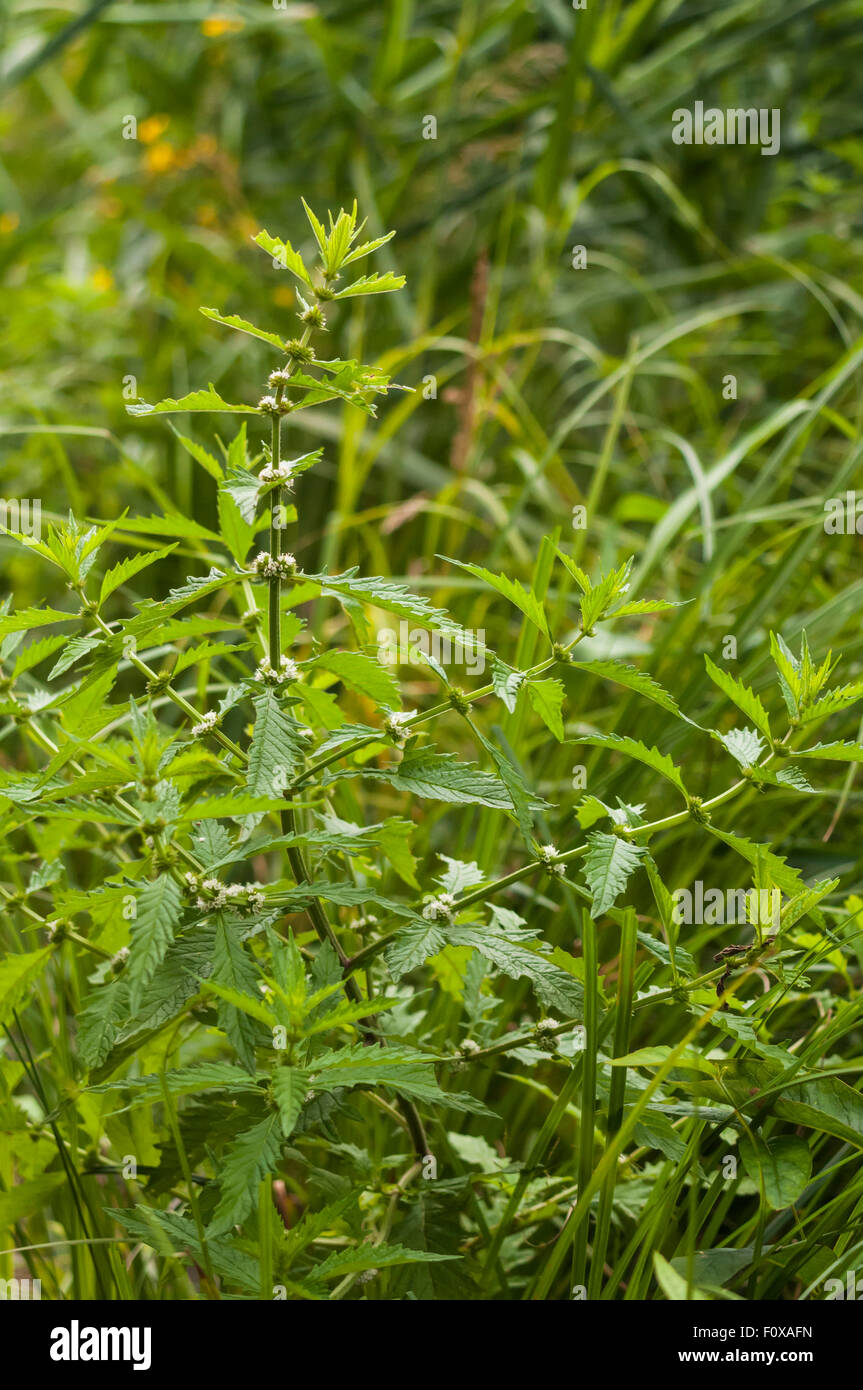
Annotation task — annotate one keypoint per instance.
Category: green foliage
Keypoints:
(285, 933)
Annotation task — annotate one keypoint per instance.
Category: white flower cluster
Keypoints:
(440, 909)
(273, 406)
(207, 724)
(282, 475)
(549, 856)
(270, 566)
(546, 1025)
(211, 894)
(394, 724)
(288, 671)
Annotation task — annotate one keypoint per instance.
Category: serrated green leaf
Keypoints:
(243, 326)
(608, 864)
(745, 699)
(133, 564)
(290, 1085)
(632, 748)
(833, 752)
(250, 1158)
(284, 253)
(372, 284)
(276, 750)
(523, 598)
(547, 698)
(203, 400)
(18, 972)
(157, 913)
(361, 673)
(631, 678)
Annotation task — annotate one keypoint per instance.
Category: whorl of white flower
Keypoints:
(440, 909)
(546, 1025)
(121, 957)
(214, 894)
(282, 474)
(394, 724)
(207, 724)
(288, 671)
(269, 404)
(548, 854)
(280, 377)
(272, 566)
(469, 1047)
(217, 891)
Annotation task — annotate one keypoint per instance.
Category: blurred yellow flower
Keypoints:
(160, 158)
(207, 215)
(204, 147)
(110, 207)
(246, 226)
(9, 222)
(102, 280)
(284, 296)
(151, 128)
(214, 28)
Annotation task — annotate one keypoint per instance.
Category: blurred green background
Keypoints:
(495, 138)
(541, 386)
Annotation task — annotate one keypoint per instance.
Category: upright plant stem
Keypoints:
(617, 1091)
(317, 912)
(587, 1127)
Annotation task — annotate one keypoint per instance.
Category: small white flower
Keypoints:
(270, 404)
(282, 474)
(439, 909)
(546, 1025)
(548, 855)
(469, 1047)
(268, 566)
(288, 671)
(207, 724)
(257, 900)
(394, 724)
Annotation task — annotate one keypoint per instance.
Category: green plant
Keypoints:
(287, 993)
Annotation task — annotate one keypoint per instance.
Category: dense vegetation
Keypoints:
(429, 800)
